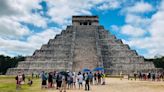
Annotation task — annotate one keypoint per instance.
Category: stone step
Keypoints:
(53, 51)
(119, 53)
(132, 66)
(43, 64)
(110, 42)
(61, 40)
(115, 47)
(27, 71)
(52, 46)
(44, 58)
(118, 59)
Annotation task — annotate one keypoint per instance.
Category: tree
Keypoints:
(158, 62)
(9, 62)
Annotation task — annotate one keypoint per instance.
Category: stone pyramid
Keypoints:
(84, 44)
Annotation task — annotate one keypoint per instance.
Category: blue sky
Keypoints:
(27, 24)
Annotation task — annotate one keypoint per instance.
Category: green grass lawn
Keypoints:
(8, 84)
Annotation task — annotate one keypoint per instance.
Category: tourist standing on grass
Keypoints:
(37, 75)
(50, 80)
(30, 82)
(18, 79)
(44, 80)
(86, 82)
(58, 81)
(32, 75)
(80, 80)
(54, 75)
(23, 77)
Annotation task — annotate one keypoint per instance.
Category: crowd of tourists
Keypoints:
(63, 81)
(70, 80)
(151, 76)
(145, 76)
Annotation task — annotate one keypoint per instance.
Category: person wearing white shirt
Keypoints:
(80, 80)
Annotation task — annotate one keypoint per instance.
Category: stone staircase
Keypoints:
(85, 48)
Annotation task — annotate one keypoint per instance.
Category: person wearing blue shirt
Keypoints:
(44, 80)
(90, 78)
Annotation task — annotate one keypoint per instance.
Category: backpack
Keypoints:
(59, 77)
(86, 78)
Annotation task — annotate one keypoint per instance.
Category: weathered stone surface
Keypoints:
(85, 44)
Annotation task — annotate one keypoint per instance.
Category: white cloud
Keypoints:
(27, 47)
(114, 28)
(111, 4)
(154, 46)
(10, 28)
(132, 31)
(3, 52)
(15, 11)
(15, 46)
(153, 43)
(39, 38)
(34, 19)
(62, 10)
(18, 7)
(20, 11)
(139, 7)
(136, 20)
(157, 25)
(12, 13)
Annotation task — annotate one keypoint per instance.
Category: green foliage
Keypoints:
(9, 62)
(158, 62)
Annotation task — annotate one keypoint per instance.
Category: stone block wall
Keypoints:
(118, 57)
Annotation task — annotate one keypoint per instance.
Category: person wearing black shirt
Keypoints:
(86, 82)
(58, 81)
(99, 78)
(95, 78)
(50, 80)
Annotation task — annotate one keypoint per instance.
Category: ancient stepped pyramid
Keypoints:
(84, 44)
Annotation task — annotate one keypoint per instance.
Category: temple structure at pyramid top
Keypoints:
(85, 20)
(84, 44)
